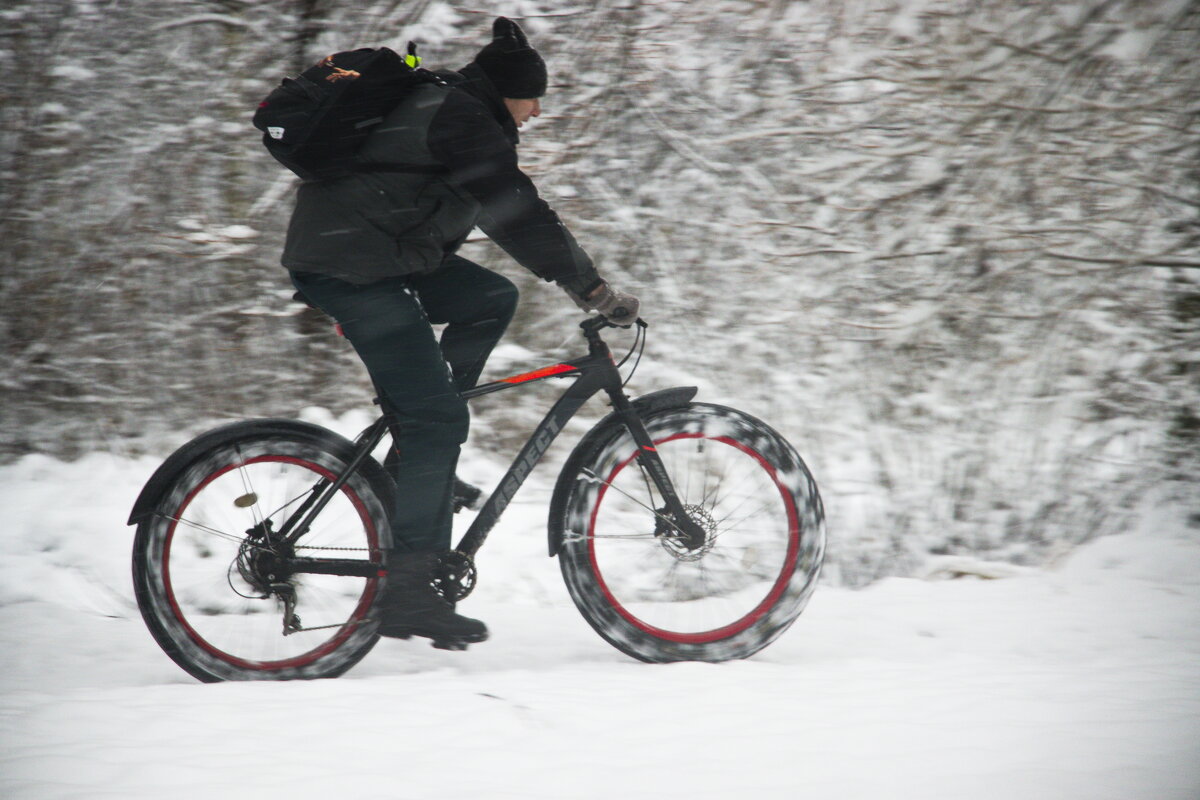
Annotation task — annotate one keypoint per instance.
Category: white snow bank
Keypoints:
(1081, 681)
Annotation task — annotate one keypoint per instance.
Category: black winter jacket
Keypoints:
(373, 225)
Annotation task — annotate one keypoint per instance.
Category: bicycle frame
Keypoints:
(594, 373)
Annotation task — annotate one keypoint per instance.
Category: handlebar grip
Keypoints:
(597, 323)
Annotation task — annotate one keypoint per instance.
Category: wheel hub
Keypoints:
(688, 539)
(258, 560)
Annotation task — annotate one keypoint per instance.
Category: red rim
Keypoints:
(303, 659)
(755, 614)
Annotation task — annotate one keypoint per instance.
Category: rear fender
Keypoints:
(182, 458)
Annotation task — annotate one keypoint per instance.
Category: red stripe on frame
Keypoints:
(545, 372)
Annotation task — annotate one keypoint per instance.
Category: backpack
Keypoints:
(315, 123)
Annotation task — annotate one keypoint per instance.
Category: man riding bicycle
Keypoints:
(377, 251)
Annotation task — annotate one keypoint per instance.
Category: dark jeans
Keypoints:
(389, 324)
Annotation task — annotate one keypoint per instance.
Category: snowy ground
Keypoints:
(1077, 681)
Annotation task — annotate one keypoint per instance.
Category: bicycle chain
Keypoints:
(343, 549)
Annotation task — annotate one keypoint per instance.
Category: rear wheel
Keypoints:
(212, 573)
(719, 585)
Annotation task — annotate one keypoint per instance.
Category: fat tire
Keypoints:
(369, 491)
(574, 509)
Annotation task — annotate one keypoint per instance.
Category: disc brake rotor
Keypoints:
(672, 536)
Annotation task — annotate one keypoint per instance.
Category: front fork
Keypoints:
(692, 535)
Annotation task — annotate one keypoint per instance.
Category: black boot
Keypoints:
(411, 606)
(466, 495)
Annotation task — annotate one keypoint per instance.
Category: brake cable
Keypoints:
(639, 344)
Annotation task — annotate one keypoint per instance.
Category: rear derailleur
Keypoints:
(262, 563)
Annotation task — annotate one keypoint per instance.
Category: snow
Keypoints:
(72, 72)
(236, 232)
(438, 23)
(1078, 680)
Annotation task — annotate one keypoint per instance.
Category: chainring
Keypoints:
(455, 576)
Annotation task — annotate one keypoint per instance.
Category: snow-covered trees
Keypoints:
(949, 248)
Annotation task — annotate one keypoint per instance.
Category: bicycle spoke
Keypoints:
(713, 490)
(206, 529)
(727, 522)
(248, 488)
(641, 537)
(291, 502)
(629, 496)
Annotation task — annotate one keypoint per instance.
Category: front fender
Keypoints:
(665, 398)
(182, 458)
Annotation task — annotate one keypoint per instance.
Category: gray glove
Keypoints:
(618, 308)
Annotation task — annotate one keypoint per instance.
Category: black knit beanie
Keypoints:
(515, 68)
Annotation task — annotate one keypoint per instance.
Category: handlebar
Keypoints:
(593, 325)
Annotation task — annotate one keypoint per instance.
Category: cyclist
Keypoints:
(377, 252)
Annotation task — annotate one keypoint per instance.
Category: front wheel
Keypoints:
(722, 584)
(215, 578)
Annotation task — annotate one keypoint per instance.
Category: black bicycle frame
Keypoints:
(595, 372)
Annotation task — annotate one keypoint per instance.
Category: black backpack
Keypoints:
(315, 123)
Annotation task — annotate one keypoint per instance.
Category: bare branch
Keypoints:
(1139, 187)
(1136, 261)
(206, 19)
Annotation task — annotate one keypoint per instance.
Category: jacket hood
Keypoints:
(475, 82)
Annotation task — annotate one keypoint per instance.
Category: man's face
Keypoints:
(522, 110)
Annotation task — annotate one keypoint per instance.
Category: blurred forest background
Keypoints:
(950, 248)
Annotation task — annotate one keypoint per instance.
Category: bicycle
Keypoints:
(684, 531)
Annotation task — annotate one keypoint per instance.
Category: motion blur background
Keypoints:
(949, 248)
